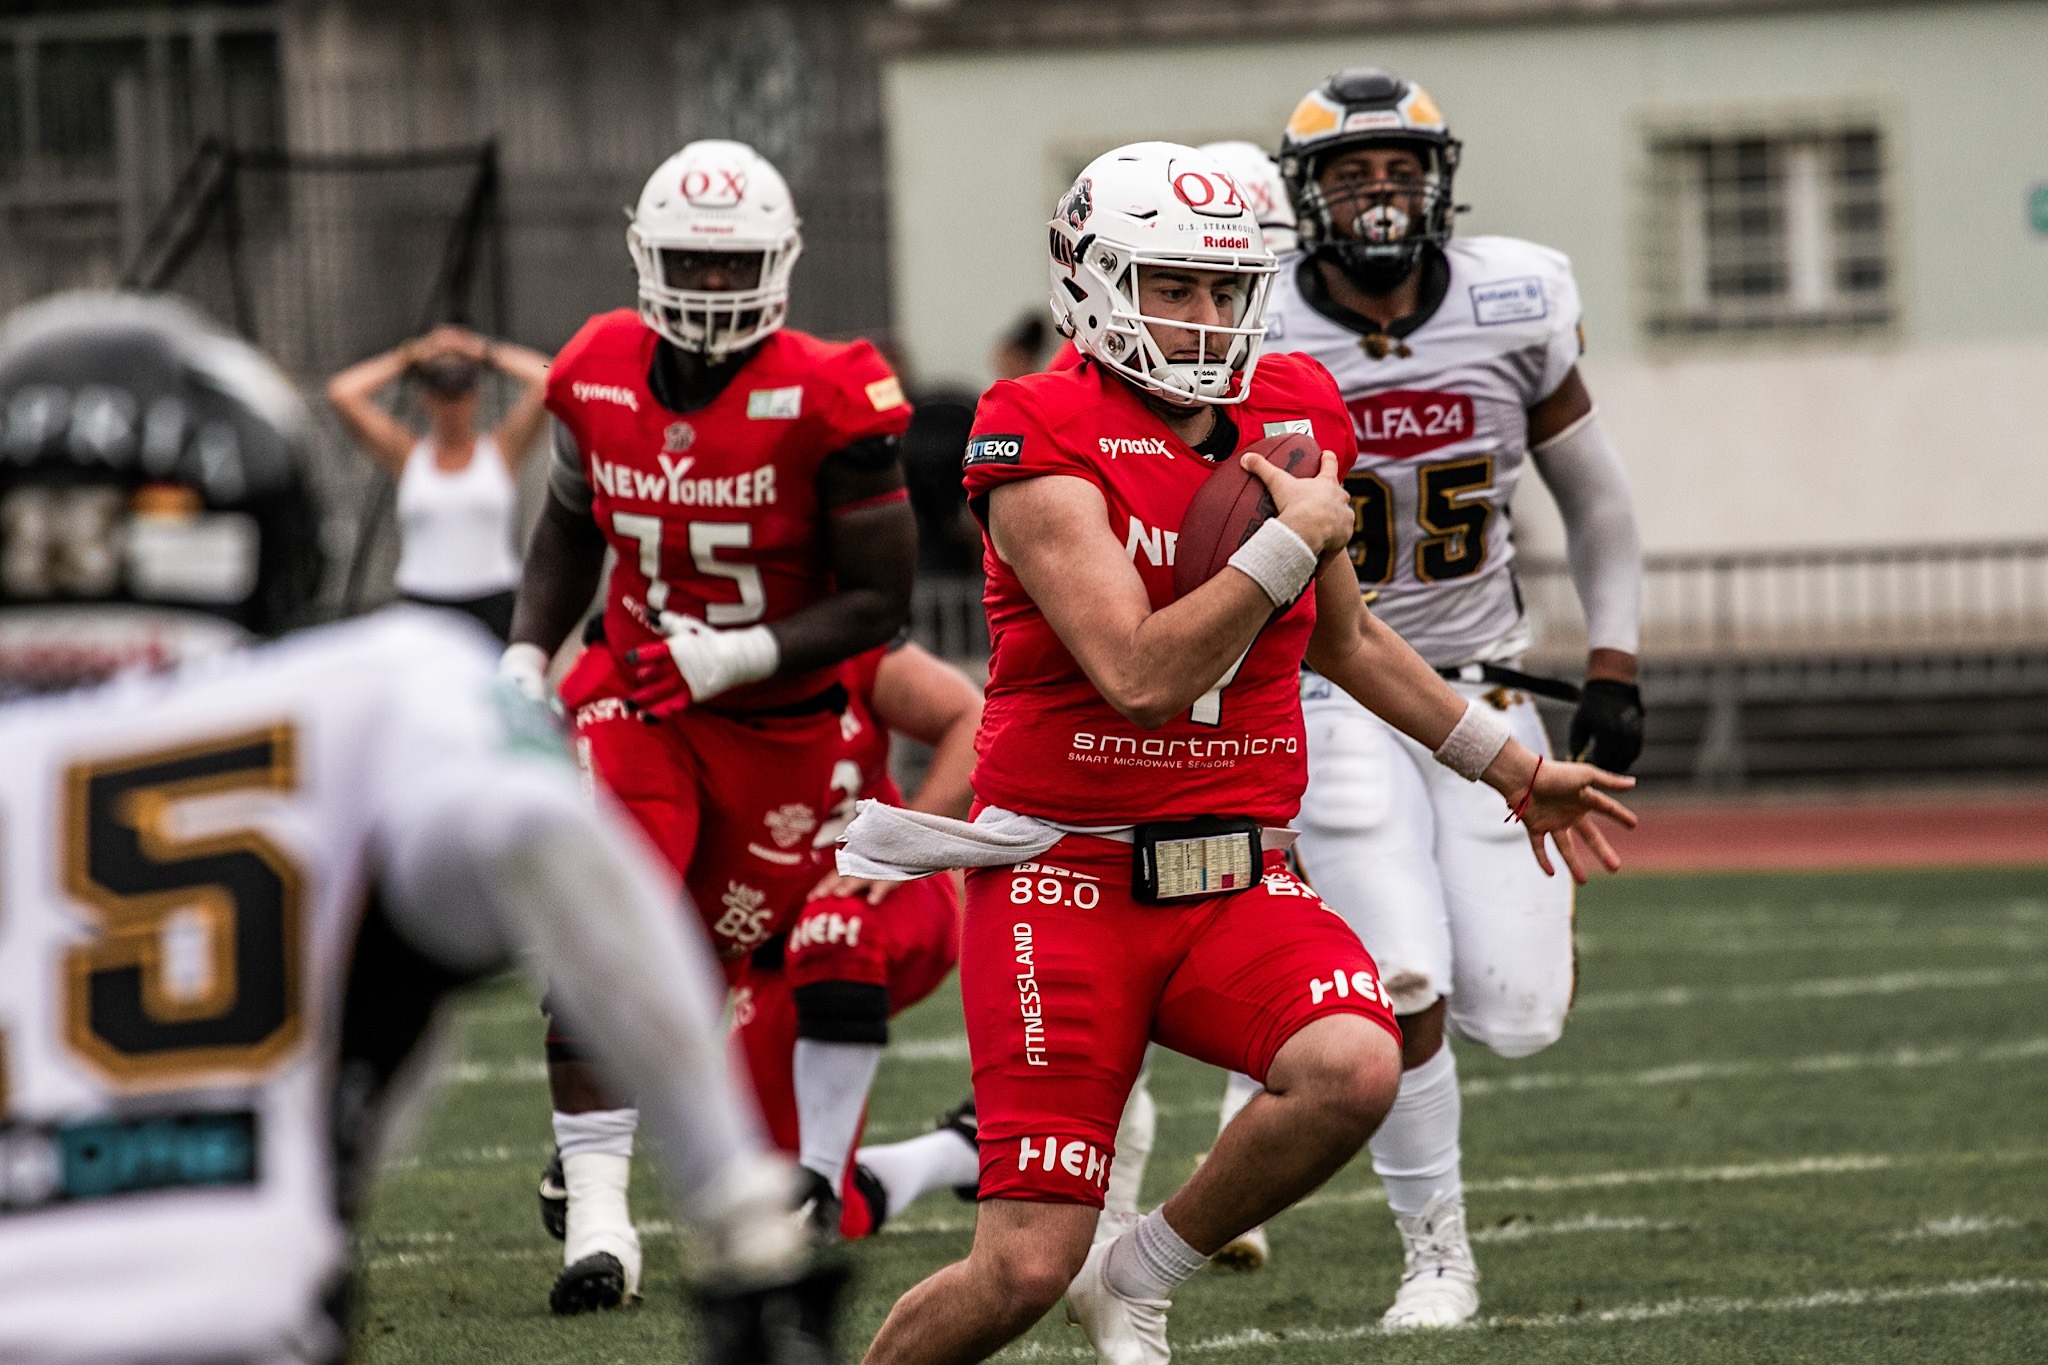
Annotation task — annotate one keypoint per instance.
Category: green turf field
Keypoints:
(1794, 1118)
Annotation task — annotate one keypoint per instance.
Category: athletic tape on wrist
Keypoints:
(1475, 741)
(1276, 559)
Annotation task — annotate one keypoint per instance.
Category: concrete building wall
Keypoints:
(1933, 429)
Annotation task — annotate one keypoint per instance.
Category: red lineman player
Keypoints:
(860, 951)
(747, 478)
(1139, 760)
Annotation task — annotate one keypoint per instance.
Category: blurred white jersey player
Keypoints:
(1457, 359)
(236, 882)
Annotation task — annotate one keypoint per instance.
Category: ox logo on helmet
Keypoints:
(1078, 204)
(714, 187)
(1209, 192)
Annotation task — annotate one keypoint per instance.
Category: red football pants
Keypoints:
(1065, 977)
(908, 943)
(731, 802)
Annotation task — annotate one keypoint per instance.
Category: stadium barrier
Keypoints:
(1827, 667)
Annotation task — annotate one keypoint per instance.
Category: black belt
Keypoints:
(833, 699)
(1554, 688)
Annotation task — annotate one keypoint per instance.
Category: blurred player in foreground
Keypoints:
(236, 892)
(1458, 361)
(1140, 756)
(748, 478)
(879, 946)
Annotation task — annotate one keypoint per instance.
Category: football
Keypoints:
(1232, 505)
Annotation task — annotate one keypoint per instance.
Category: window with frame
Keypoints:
(1768, 231)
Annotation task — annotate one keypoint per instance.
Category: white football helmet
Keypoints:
(1156, 205)
(1259, 176)
(723, 197)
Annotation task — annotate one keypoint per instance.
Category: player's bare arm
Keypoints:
(1354, 650)
(1150, 665)
(871, 541)
(564, 560)
(934, 703)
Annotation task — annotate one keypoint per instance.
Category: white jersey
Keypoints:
(1441, 416)
(185, 866)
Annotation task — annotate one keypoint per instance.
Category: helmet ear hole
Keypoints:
(1092, 321)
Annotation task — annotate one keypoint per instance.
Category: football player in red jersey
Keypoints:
(747, 477)
(1139, 758)
(860, 951)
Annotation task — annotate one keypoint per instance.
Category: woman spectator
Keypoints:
(456, 487)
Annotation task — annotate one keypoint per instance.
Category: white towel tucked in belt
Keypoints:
(890, 844)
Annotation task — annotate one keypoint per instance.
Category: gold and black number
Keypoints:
(233, 898)
(1455, 543)
(1372, 527)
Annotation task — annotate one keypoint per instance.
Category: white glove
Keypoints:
(526, 668)
(697, 662)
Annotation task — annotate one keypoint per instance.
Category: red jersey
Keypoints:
(1049, 744)
(715, 513)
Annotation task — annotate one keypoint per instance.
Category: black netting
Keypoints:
(321, 261)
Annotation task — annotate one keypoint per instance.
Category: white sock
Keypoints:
(598, 1217)
(1238, 1091)
(1415, 1152)
(1135, 1132)
(603, 1132)
(832, 1081)
(1151, 1260)
(919, 1165)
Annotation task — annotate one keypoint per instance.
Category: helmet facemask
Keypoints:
(1375, 228)
(1212, 362)
(713, 323)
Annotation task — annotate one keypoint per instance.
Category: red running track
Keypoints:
(1837, 836)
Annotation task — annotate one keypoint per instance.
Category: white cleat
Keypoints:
(1123, 1331)
(1440, 1287)
(1246, 1251)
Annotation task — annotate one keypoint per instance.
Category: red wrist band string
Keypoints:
(1523, 804)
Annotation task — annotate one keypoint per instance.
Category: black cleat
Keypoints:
(554, 1198)
(790, 1324)
(596, 1282)
(962, 1120)
(819, 1205)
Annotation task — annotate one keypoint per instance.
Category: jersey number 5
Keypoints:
(706, 539)
(1453, 543)
(196, 965)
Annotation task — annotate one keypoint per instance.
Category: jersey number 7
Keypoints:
(706, 539)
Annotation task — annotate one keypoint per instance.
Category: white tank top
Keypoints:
(455, 527)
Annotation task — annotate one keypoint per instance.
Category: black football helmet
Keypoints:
(154, 490)
(1375, 234)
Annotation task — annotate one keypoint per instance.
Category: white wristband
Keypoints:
(525, 666)
(1276, 559)
(1475, 741)
(714, 661)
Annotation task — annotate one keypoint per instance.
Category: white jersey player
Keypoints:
(1458, 362)
(233, 891)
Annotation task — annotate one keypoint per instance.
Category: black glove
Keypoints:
(1607, 729)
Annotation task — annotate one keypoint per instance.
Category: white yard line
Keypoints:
(1896, 1059)
(1822, 988)
(1851, 1297)
(1844, 1163)
(1960, 1225)
(1522, 1229)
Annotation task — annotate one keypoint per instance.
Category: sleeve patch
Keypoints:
(885, 394)
(994, 450)
(1503, 301)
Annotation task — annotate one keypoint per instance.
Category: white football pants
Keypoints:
(1443, 891)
